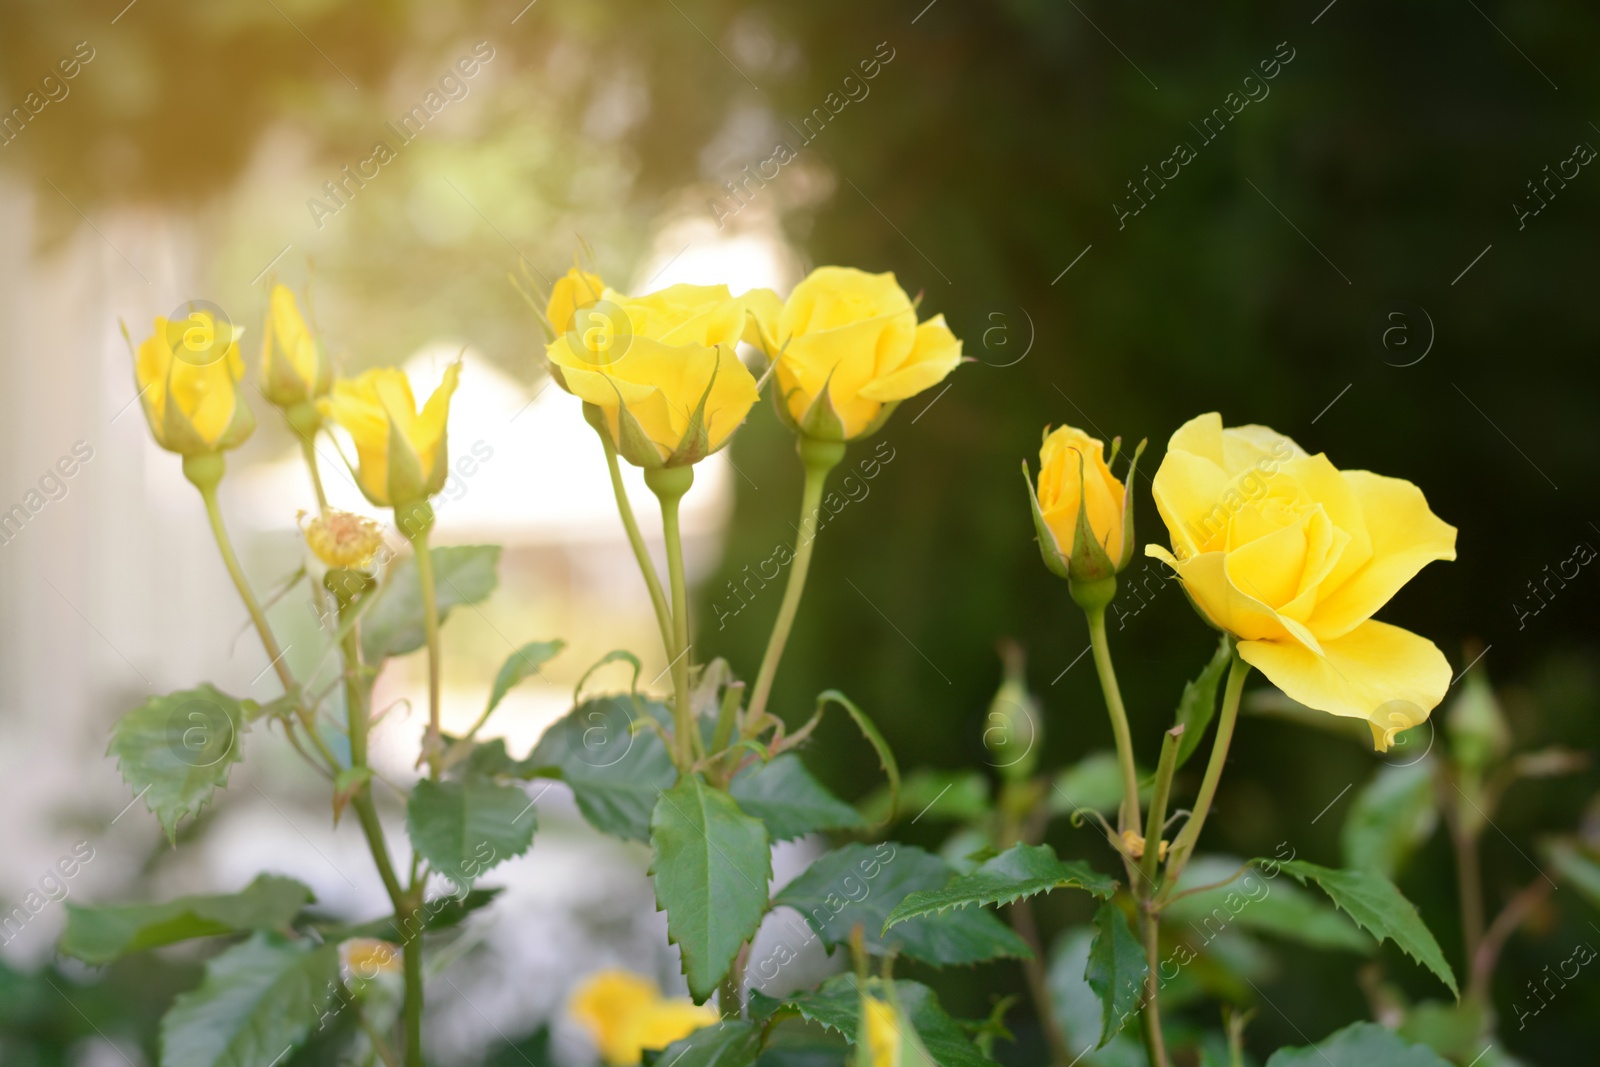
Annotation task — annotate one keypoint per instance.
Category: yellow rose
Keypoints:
(294, 369)
(625, 1014)
(848, 350)
(1293, 557)
(1082, 513)
(662, 370)
(188, 379)
(403, 454)
(573, 290)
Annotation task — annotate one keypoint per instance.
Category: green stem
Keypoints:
(1184, 845)
(1129, 811)
(269, 643)
(308, 449)
(416, 523)
(652, 582)
(1145, 891)
(669, 484)
(412, 954)
(1155, 1041)
(819, 458)
(730, 998)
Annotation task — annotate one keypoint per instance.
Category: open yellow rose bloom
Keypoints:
(663, 368)
(403, 454)
(1294, 557)
(188, 378)
(853, 336)
(625, 1013)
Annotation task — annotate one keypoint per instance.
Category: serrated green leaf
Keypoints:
(836, 1006)
(616, 770)
(393, 625)
(521, 663)
(730, 1043)
(1094, 783)
(1116, 971)
(258, 1000)
(464, 828)
(711, 866)
(1359, 1045)
(1079, 1010)
(1199, 701)
(792, 803)
(1254, 902)
(935, 795)
(98, 935)
(176, 750)
(1019, 872)
(1379, 908)
(862, 884)
(1390, 816)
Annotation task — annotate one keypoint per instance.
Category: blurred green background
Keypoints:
(981, 165)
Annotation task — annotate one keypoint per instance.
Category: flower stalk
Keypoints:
(669, 484)
(416, 521)
(1183, 847)
(819, 457)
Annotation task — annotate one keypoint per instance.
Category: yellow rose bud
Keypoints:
(403, 454)
(1294, 557)
(1082, 513)
(661, 370)
(294, 369)
(625, 1014)
(344, 540)
(848, 349)
(573, 290)
(188, 374)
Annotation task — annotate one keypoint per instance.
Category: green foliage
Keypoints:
(1255, 902)
(1080, 1010)
(933, 794)
(259, 999)
(1380, 909)
(1390, 816)
(792, 803)
(177, 750)
(616, 770)
(862, 884)
(1094, 783)
(99, 935)
(730, 1043)
(1019, 872)
(463, 828)
(1359, 1045)
(521, 663)
(393, 625)
(1199, 701)
(1116, 970)
(711, 866)
(836, 1005)
(440, 913)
